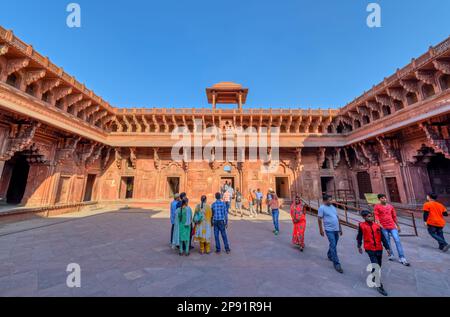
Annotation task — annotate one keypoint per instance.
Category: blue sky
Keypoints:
(289, 53)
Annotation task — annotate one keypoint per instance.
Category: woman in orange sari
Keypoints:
(298, 216)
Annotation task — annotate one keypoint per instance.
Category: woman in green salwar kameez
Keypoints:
(185, 219)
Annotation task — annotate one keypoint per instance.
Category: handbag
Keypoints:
(198, 217)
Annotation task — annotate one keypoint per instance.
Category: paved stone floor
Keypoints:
(126, 253)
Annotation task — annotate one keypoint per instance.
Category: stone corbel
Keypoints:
(137, 124)
(21, 136)
(156, 124)
(49, 84)
(90, 111)
(118, 157)
(369, 153)
(336, 157)
(71, 100)
(388, 147)
(146, 124)
(347, 158)
(157, 159)
(426, 76)
(443, 65)
(61, 92)
(97, 152)
(3, 49)
(85, 153)
(81, 106)
(106, 158)
(436, 139)
(133, 157)
(127, 123)
(359, 155)
(396, 93)
(33, 76)
(410, 85)
(67, 149)
(321, 157)
(14, 65)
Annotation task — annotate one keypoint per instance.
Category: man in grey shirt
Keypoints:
(329, 221)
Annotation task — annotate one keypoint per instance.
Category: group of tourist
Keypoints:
(374, 232)
(198, 226)
(255, 200)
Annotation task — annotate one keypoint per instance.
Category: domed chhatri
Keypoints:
(227, 93)
(227, 85)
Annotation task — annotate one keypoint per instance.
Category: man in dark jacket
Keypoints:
(374, 240)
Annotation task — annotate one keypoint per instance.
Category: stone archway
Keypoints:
(14, 179)
(439, 173)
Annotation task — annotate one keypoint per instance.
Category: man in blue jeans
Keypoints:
(220, 222)
(274, 206)
(329, 220)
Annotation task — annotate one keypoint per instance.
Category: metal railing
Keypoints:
(350, 215)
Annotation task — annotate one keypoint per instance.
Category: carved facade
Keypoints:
(60, 143)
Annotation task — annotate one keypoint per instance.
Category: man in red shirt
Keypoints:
(386, 217)
(433, 215)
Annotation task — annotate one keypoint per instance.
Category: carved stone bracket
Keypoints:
(17, 64)
(370, 153)
(347, 158)
(20, 137)
(296, 163)
(3, 49)
(443, 65)
(33, 76)
(67, 149)
(86, 152)
(436, 139)
(410, 85)
(426, 76)
(95, 154)
(336, 157)
(106, 158)
(118, 157)
(390, 148)
(321, 156)
(396, 93)
(157, 159)
(360, 157)
(133, 157)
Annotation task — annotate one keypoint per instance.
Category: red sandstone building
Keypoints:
(60, 144)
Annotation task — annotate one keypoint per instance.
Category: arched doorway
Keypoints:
(439, 173)
(19, 169)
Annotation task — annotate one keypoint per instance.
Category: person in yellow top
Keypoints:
(433, 215)
(202, 222)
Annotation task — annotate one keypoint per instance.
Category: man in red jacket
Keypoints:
(374, 241)
(386, 217)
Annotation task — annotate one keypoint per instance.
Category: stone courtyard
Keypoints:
(126, 252)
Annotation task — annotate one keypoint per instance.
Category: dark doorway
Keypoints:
(127, 188)
(174, 186)
(89, 187)
(229, 180)
(282, 187)
(364, 184)
(328, 186)
(392, 188)
(18, 182)
(439, 172)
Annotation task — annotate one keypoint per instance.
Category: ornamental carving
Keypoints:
(21, 136)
